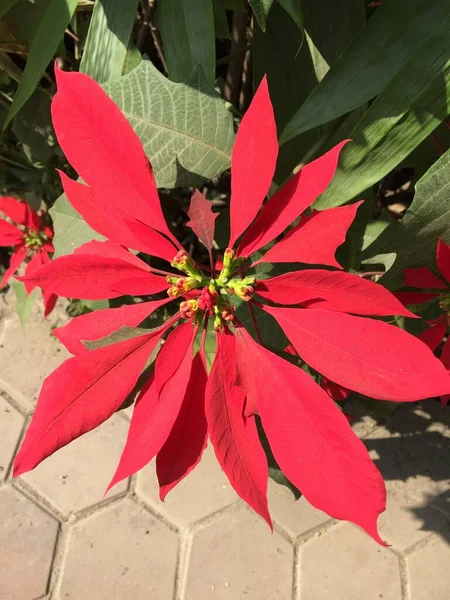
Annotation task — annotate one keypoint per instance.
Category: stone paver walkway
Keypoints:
(61, 540)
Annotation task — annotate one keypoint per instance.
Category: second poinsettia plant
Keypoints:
(180, 405)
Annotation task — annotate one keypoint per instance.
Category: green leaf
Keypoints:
(403, 115)
(5, 6)
(261, 10)
(389, 39)
(221, 27)
(187, 31)
(71, 231)
(122, 334)
(24, 301)
(414, 238)
(107, 41)
(133, 58)
(185, 128)
(294, 8)
(33, 128)
(51, 31)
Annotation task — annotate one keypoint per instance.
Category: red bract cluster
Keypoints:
(180, 405)
(423, 278)
(31, 240)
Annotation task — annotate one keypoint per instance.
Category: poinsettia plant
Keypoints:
(323, 311)
(30, 236)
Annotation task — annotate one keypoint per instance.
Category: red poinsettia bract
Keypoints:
(31, 239)
(422, 277)
(180, 405)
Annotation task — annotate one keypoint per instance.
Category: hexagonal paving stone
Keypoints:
(428, 571)
(347, 564)
(238, 557)
(412, 451)
(297, 517)
(27, 540)
(120, 552)
(28, 357)
(77, 475)
(204, 491)
(10, 427)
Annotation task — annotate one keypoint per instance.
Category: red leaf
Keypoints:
(184, 447)
(422, 278)
(315, 240)
(443, 259)
(50, 301)
(378, 360)
(102, 217)
(95, 278)
(9, 234)
(434, 335)
(158, 404)
(410, 298)
(252, 162)
(445, 358)
(202, 219)
(110, 250)
(332, 290)
(233, 435)
(102, 147)
(311, 439)
(17, 258)
(290, 201)
(101, 323)
(80, 395)
(14, 209)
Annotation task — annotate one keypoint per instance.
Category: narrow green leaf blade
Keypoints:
(185, 128)
(403, 115)
(294, 8)
(261, 10)
(24, 301)
(363, 70)
(107, 41)
(5, 5)
(50, 32)
(221, 27)
(187, 31)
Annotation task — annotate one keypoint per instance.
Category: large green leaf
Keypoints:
(403, 115)
(187, 31)
(6, 5)
(107, 41)
(186, 130)
(414, 238)
(71, 231)
(261, 10)
(51, 31)
(363, 70)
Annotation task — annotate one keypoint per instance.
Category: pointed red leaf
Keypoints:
(310, 438)
(9, 234)
(17, 258)
(376, 359)
(109, 249)
(95, 278)
(50, 301)
(290, 201)
(443, 259)
(158, 404)
(102, 217)
(315, 240)
(445, 358)
(102, 147)
(233, 435)
(422, 278)
(434, 335)
(252, 162)
(37, 260)
(187, 439)
(202, 219)
(332, 290)
(410, 298)
(80, 395)
(101, 323)
(16, 210)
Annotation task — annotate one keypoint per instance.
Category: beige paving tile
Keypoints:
(297, 517)
(119, 553)
(204, 491)
(77, 476)
(238, 557)
(428, 572)
(27, 540)
(346, 564)
(10, 427)
(28, 357)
